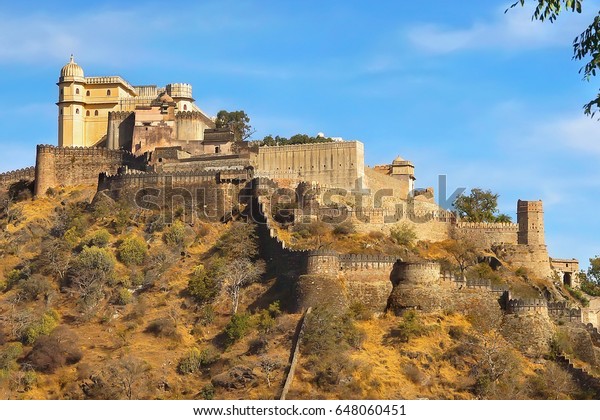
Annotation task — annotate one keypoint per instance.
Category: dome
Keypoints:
(71, 69)
(165, 98)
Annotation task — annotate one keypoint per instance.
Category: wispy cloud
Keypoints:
(511, 31)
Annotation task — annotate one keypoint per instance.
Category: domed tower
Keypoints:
(71, 105)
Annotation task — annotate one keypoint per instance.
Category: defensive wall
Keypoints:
(491, 233)
(8, 178)
(334, 163)
(68, 166)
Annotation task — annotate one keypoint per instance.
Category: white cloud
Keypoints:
(513, 30)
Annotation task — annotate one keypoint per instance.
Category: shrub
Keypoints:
(207, 315)
(237, 328)
(197, 359)
(60, 348)
(133, 250)
(403, 234)
(207, 392)
(360, 311)
(44, 326)
(155, 223)
(123, 296)
(577, 294)
(163, 327)
(345, 228)
(591, 288)
(328, 334)
(204, 285)
(9, 355)
(410, 326)
(175, 234)
(100, 238)
(34, 287)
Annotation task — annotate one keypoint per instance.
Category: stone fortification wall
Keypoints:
(562, 312)
(190, 125)
(339, 164)
(67, 166)
(534, 258)
(8, 178)
(492, 233)
(518, 306)
(120, 130)
(204, 164)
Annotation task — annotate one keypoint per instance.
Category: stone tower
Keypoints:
(530, 216)
(404, 170)
(71, 85)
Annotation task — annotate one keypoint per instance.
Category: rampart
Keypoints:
(562, 312)
(522, 306)
(68, 166)
(492, 233)
(8, 178)
(336, 163)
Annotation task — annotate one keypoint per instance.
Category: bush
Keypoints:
(123, 296)
(34, 287)
(207, 392)
(175, 234)
(163, 327)
(60, 348)
(328, 334)
(207, 315)
(345, 228)
(577, 294)
(237, 328)
(100, 238)
(410, 326)
(196, 359)
(204, 285)
(155, 223)
(9, 355)
(133, 250)
(44, 326)
(360, 311)
(403, 234)
(591, 288)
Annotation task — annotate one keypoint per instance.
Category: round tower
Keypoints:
(530, 216)
(71, 105)
(182, 95)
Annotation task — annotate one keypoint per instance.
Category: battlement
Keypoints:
(102, 80)
(119, 115)
(529, 205)
(517, 306)
(83, 151)
(316, 146)
(10, 177)
(179, 90)
(190, 115)
(508, 227)
(561, 311)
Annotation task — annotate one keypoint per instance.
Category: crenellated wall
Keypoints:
(519, 306)
(492, 233)
(337, 163)
(68, 166)
(8, 178)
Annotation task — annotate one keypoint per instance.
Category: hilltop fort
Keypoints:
(155, 141)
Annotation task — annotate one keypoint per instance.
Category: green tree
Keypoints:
(133, 250)
(593, 272)
(479, 206)
(236, 121)
(586, 46)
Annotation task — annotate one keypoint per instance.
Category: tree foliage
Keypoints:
(479, 206)
(236, 121)
(586, 46)
(295, 139)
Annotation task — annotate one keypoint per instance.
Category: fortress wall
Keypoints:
(520, 306)
(120, 129)
(234, 161)
(190, 125)
(492, 233)
(338, 164)
(560, 311)
(67, 166)
(8, 178)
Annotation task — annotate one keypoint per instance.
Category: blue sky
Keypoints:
(491, 100)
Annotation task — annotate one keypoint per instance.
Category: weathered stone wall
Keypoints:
(68, 166)
(338, 164)
(492, 233)
(190, 125)
(204, 163)
(532, 257)
(120, 129)
(8, 178)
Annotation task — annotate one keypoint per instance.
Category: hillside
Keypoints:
(105, 301)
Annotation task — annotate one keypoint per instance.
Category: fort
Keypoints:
(156, 145)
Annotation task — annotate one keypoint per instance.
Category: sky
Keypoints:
(490, 99)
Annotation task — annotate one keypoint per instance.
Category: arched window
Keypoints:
(185, 107)
(61, 111)
(108, 92)
(62, 91)
(77, 91)
(77, 110)
(87, 93)
(87, 113)
(95, 113)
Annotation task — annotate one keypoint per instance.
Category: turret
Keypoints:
(530, 217)
(71, 109)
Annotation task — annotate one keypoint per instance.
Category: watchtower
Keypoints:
(530, 217)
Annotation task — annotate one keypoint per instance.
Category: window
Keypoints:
(184, 107)
(95, 113)
(108, 92)
(77, 110)
(87, 93)
(87, 113)
(61, 111)
(62, 91)
(77, 91)
(217, 149)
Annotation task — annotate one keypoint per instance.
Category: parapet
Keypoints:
(516, 306)
(508, 227)
(25, 174)
(526, 206)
